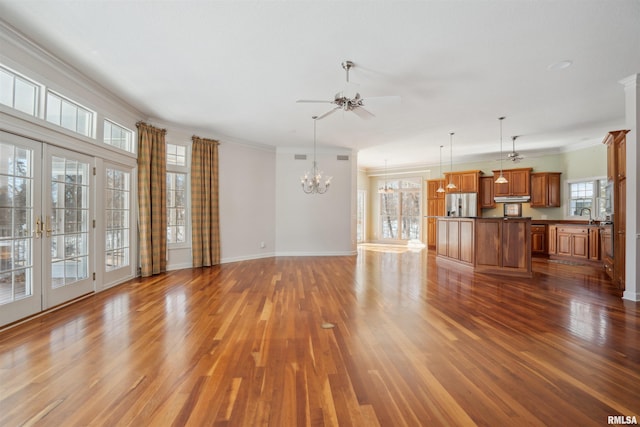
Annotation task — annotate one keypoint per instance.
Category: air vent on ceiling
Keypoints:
(343, 157)
(300, 157)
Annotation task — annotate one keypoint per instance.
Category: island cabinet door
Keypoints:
(515, 250)
(488, 237)
(442, 238)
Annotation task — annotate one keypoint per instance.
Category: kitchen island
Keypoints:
(486, 245)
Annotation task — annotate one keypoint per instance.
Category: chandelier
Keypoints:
(314, 182)
(386, 189)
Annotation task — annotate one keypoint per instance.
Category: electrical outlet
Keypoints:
(263, 245)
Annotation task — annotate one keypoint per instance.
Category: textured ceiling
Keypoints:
(236, 68)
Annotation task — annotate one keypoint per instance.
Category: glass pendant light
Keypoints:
(451, 185)
(501, 179)
(440, 188)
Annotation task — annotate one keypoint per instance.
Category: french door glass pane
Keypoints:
(69, 221)
(117, 219)
(16, 217)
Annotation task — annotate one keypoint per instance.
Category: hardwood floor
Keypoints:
(414, 343)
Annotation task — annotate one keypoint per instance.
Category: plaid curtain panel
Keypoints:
(152, 199)
(205, 222)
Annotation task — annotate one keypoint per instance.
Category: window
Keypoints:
(118, 136)
(177, 180)
(18, 92)
(69, 115)
(400, 210)
(176, 207)
(176, 155)
(117, 191)
(585, 196)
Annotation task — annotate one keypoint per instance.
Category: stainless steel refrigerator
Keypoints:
(462, 204)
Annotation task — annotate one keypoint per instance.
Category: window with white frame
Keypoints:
(587, 196)
(400, 209)
(18, 92)
(177, 179)
(69, 115)
(118, 136)
(118, 191)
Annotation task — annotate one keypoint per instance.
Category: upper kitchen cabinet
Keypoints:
(432, 188)
(545, 190)
(465, 181)
(486, 193)
(519, 182)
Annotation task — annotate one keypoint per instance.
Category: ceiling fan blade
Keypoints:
(322, 116)
(315, 101)
(385, 99)
(363, 113)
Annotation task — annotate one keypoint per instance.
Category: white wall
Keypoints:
(247, 202)
(315, 224)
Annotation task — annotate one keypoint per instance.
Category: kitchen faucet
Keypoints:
(587, 209)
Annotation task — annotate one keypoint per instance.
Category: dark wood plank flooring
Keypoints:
(415, 343)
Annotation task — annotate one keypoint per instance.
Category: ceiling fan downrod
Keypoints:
(347, 66)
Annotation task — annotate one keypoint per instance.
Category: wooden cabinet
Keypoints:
(503, 246)
(435, 208)
(545, 190)
(552, 241)
(617, 173)
(455, 239)
(573, 242)
(432, 189)
(519, 183)
(594, 243)
(465, 181)
(538, 239)
(579, 243)
(486, 192)
(606, 248)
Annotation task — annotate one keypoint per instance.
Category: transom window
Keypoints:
(585, 196)
(176, 155)
(118, 136)
(18, 92)
(69, 115)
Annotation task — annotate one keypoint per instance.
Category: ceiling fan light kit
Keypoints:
(313, 182)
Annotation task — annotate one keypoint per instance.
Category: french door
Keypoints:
(45, 226)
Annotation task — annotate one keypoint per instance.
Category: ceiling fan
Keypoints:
(514, 156)
(343, 102)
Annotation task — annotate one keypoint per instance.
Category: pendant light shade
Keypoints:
(501, 179)
(451, 185)
(440, 188)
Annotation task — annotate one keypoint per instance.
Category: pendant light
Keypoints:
(440, 188)
(501, 179)
(386, 189)
(451, 185)
(313, 182)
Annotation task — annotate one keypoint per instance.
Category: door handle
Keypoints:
(38, 231)
(48, 230)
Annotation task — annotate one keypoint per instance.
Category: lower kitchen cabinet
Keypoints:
(575, 242)
(538, 239)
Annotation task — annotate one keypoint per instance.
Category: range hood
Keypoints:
(512, 199)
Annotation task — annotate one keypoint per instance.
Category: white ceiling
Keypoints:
(236, 68)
